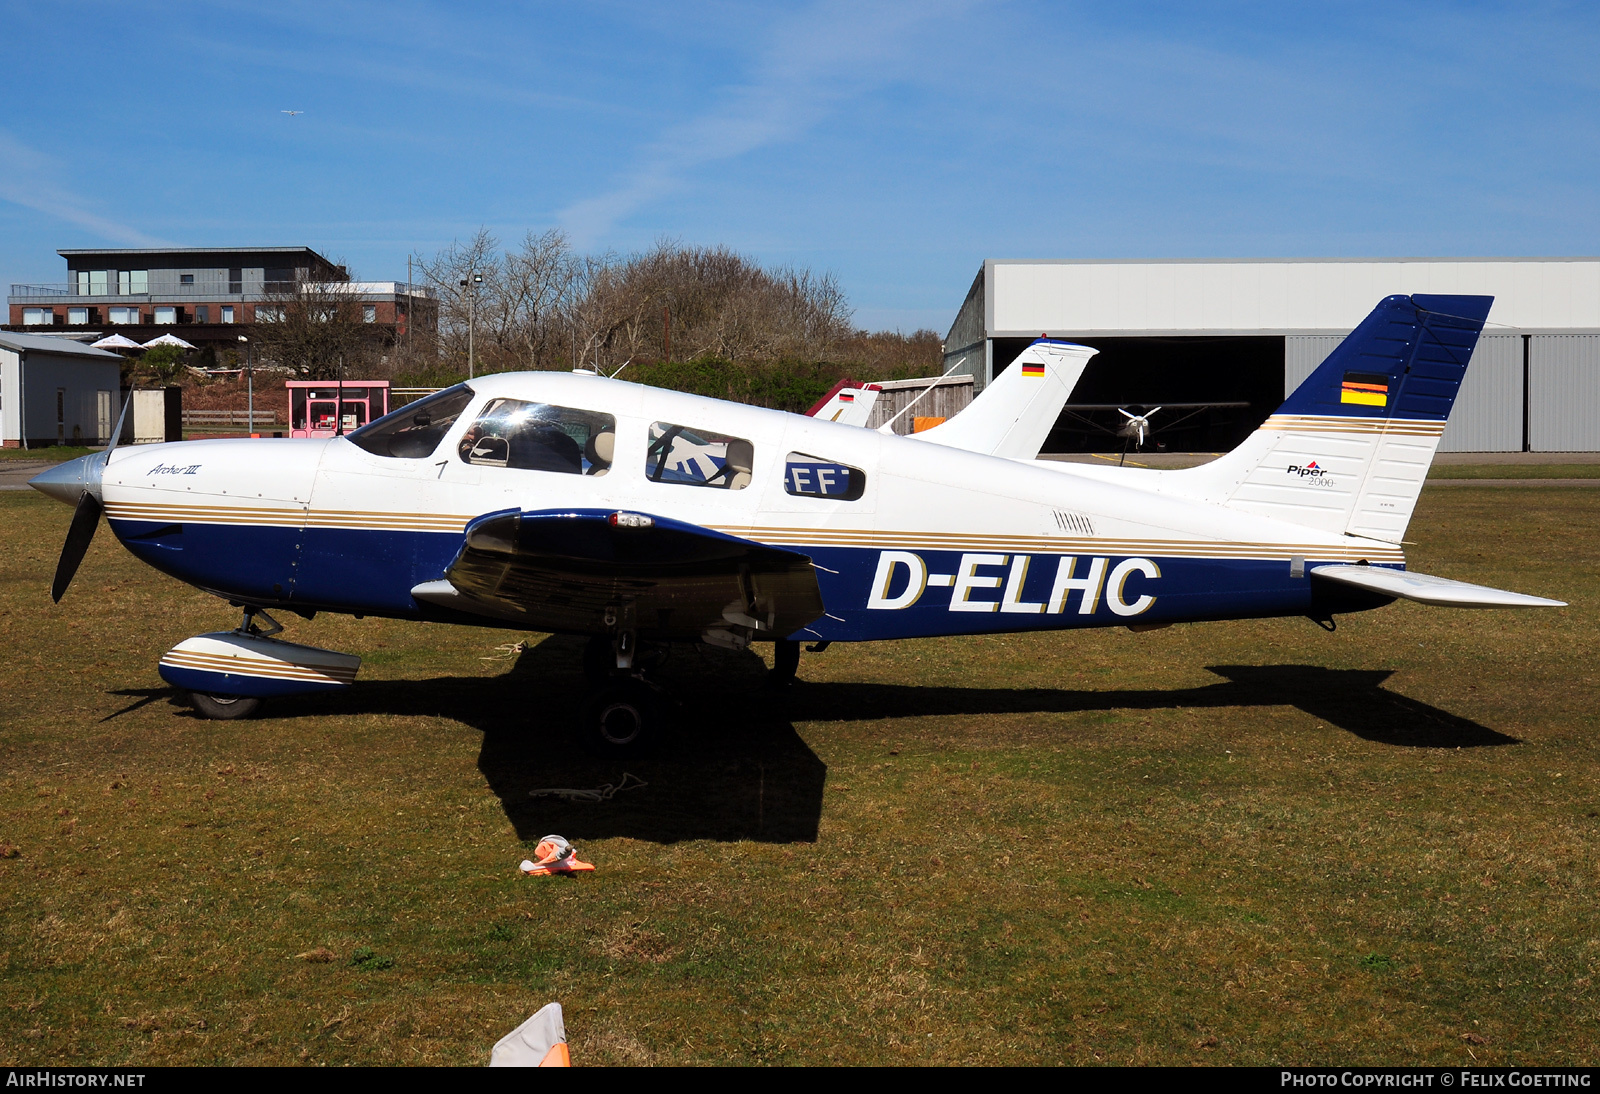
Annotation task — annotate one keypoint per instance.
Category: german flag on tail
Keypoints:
(1365, 388)
(1033, 368)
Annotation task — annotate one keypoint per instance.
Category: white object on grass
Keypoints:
(534, 1043)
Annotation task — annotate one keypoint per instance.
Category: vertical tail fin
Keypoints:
(1348, 451)
(848, 403)
(1015, 413)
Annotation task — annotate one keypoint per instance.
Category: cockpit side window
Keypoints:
(414, 431)
(807, 476)
(540, 437)
(688, 457)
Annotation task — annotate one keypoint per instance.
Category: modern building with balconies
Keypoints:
(200, 294)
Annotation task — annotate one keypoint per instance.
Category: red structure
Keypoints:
(316, 406)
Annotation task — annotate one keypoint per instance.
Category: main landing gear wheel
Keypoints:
(225, 707)
(625, 718)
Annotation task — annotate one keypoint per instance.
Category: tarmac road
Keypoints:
(14, 474)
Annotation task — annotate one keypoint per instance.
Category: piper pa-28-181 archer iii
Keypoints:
(577, 504)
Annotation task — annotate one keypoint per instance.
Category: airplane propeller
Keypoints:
(80, 533)
(84, 473)
(1138, 424)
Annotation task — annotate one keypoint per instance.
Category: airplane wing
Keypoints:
(588, 571)
(1015, 413)
(1426, 589)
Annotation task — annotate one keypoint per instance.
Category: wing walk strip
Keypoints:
(259, 666)
(800, 538)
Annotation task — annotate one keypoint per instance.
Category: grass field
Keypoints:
(1228, 843)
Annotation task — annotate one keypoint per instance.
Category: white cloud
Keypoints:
(29, 180)
(814, 61)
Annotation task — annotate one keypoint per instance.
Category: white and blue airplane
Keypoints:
(583, 505)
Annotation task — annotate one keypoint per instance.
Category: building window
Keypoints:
(93, 282)
(369, 313)
(186, 279)
(227, 313)
(166, 315)
(77, 317)
(269, 313)
(279, 280)
(235, 283)
(38, 317)
(202, 313)
(125, 316)
(133, 281)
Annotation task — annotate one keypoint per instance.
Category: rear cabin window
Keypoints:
(807, 476)
(697, 457)
(414, 431)
(540, 437)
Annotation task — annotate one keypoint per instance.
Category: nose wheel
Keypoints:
(625, 717)
(224, 707)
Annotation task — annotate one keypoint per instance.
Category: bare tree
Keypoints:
(316, 327)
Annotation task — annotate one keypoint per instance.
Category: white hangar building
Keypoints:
(1248, 331)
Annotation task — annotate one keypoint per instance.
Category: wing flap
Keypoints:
(578, 571)
(1427, 589)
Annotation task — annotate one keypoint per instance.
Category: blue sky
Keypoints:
(896, 145)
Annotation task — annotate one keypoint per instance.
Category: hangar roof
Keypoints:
(1241, 296)
(45, 343)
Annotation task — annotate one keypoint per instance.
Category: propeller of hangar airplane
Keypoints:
(85, 481)
(1135, 429)
(1137, 424)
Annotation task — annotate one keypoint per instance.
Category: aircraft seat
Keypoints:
(599, 451)
(741, 457)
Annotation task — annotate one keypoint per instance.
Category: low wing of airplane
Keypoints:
(848, 403)
(1013, 415)
(590, 571)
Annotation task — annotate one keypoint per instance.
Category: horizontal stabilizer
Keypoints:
(1425, 589)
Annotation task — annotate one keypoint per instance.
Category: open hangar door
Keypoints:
(1138, 374)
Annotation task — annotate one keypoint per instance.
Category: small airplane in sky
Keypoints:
(579, 504)
(291, 113)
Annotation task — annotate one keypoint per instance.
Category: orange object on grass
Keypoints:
(555, 856)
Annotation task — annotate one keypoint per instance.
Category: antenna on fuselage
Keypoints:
(888, 427)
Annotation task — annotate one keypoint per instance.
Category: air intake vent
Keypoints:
(1076, 523)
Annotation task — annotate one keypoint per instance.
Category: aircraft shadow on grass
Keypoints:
(736, 769)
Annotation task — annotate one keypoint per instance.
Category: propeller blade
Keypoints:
(1125, 414)
(85, 519)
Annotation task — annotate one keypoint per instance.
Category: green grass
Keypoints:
(1230, 843)
(1515, 471)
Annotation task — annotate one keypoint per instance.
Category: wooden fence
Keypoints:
(950, 395)
(228, 419)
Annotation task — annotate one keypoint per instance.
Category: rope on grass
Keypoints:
(598, 794)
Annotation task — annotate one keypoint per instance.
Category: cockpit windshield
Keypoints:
(414, 431)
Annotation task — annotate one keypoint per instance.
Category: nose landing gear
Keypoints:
(229, 673)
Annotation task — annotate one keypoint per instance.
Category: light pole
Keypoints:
(470, 283)
(250, 388)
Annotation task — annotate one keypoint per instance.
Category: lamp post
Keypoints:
(470, 284)
(250, 388)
